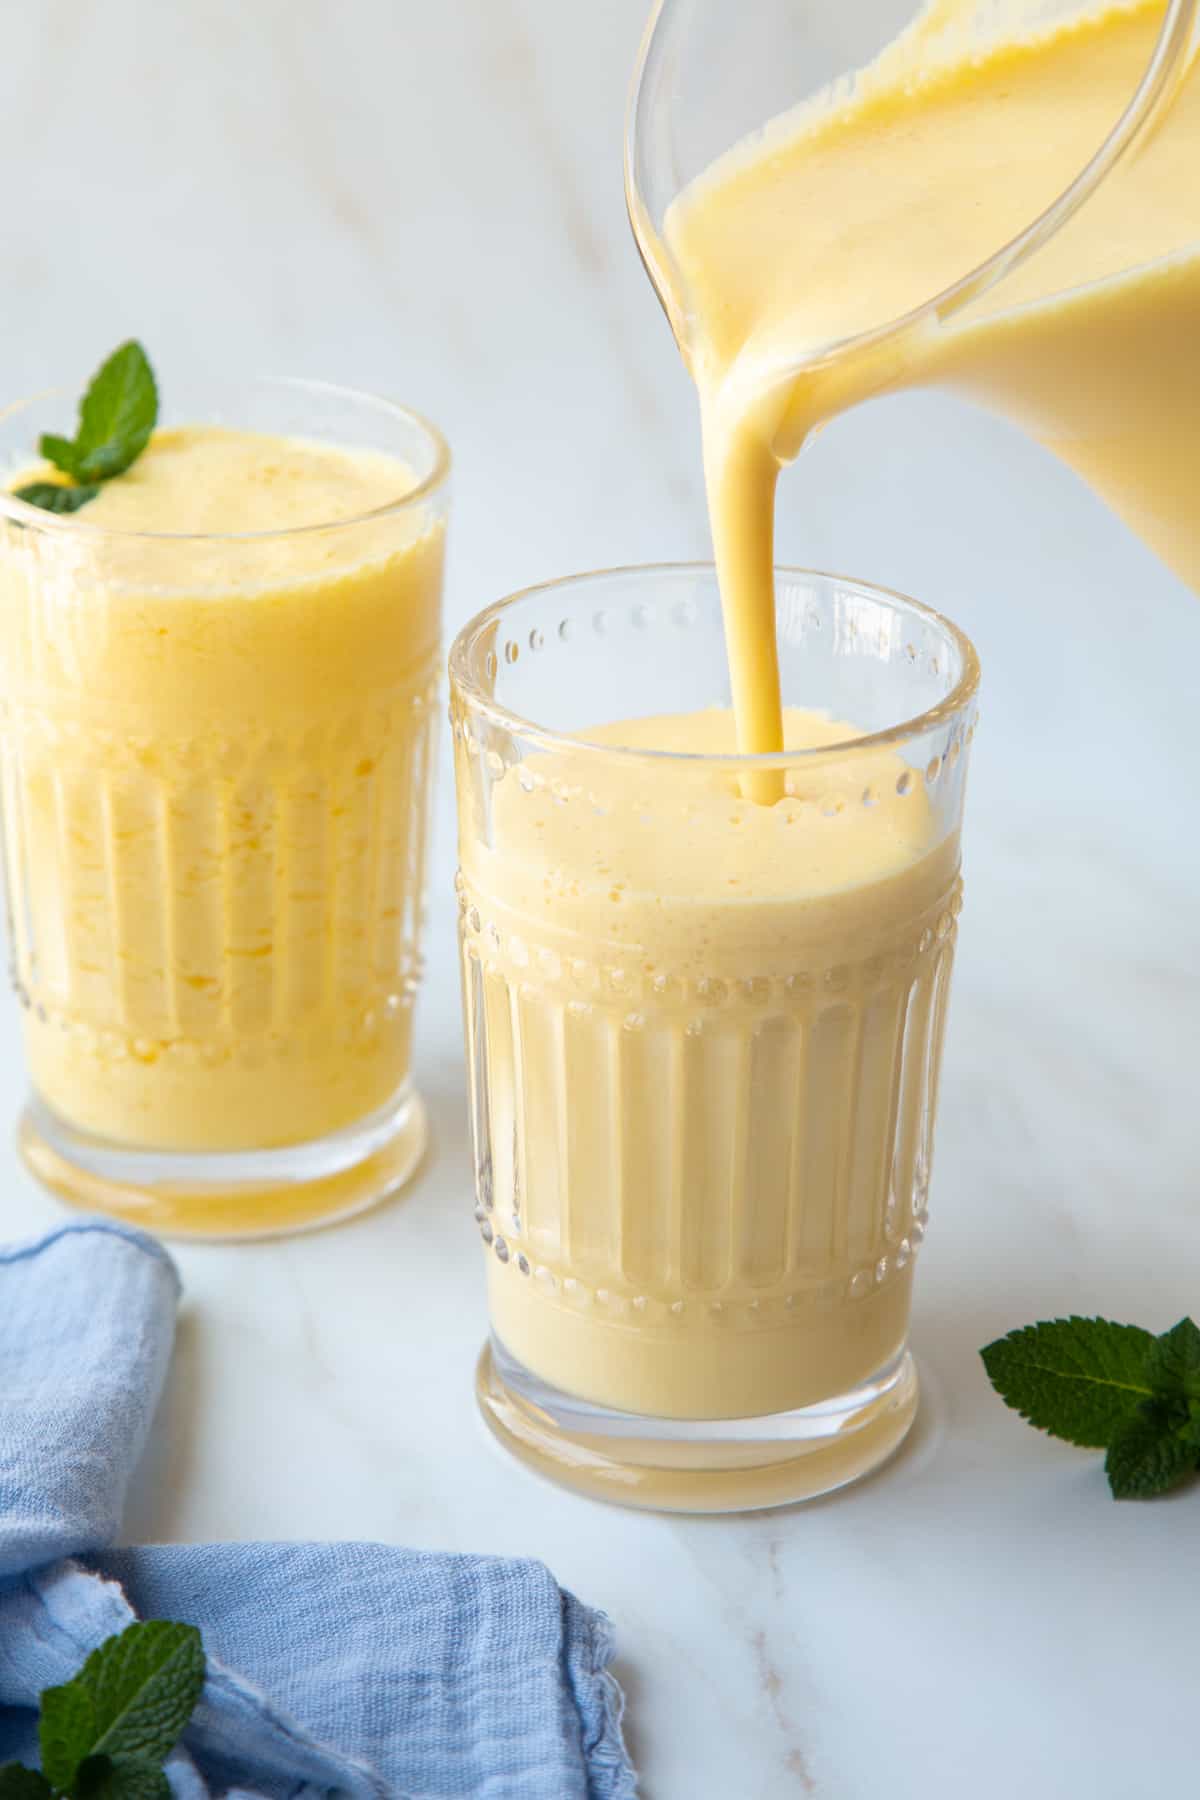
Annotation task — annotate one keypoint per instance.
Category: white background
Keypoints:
(426, 200)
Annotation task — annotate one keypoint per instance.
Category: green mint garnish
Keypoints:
(117, 415)
(1152, 1450)
(1075, 1378)
(121, 1778)
(1173, 1365)
(105, 1734)
(66, 1731)
(52, 497)
(19, 1783)
(1108, 1387)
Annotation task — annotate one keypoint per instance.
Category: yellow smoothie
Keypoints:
(215, 791)
(846, 215)
(709, 1033)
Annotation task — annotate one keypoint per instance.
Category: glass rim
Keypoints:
(1155, 91)
(70, 524)
(463, 680)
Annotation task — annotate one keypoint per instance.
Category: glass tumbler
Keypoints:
(704, 1032)
(215, 762)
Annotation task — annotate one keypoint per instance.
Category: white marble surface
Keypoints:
(427, 200)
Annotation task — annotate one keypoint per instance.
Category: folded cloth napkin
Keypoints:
(334, 1669)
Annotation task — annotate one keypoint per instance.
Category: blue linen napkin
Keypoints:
(348, 1669)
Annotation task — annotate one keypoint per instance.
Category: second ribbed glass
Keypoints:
(216, 756)
(704, 1032)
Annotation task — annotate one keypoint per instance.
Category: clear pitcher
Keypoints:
(1110, 384)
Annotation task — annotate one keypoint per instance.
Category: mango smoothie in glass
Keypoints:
(704, 1028)
(218, 689)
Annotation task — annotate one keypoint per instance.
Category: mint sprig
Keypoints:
(19, 1783)
(1108, 1387)
(105, 1734)
(117, 416)
(51, 496)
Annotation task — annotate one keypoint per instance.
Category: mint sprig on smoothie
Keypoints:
(117, 416)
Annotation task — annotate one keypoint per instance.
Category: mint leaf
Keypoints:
(144, 1685)
(19, 1783)
(105, 1734)
(116, 415)
(1078, 1379)
(1173, 1365)
(52, 497)
(1152, 1451)
(61, 452)
(121, 1778)
(66, 1731)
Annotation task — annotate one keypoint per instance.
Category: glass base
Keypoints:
(231, 1193)
(696, 1465)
